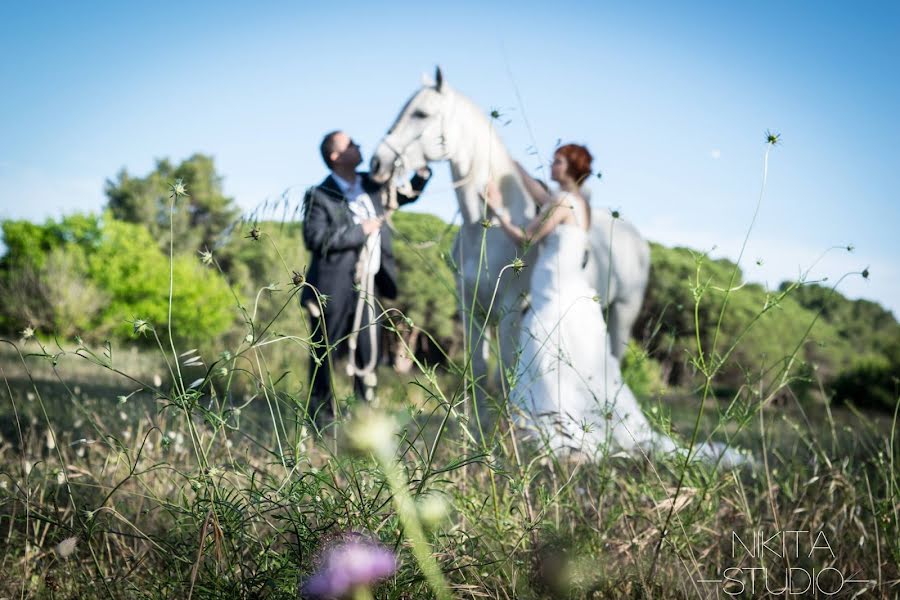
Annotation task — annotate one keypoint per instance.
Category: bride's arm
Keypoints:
(542, 224)
(535, 189)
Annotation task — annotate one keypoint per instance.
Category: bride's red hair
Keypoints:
(579, 160)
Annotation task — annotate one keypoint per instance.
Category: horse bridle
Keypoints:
(400, 163)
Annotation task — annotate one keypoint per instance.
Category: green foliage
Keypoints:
(89, 276)
(641, 373)
(764, 335)
(271, 259)
(871, 337)
(426, 282)
(871, 382)
(30, 243)
(135, 273)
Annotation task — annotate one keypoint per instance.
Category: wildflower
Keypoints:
(140, 326)
(616, 214)
(772, 138)
(865, 273)
(432, 509)
(354, 562)
(27, 333)
(254, 233)
(371, 431)
(178, 189)
(206, 257)
(297, 278)
(66, 547)
(518, 264)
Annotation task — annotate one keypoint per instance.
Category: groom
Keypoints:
(342, 216)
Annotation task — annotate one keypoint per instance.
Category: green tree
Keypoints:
(129, 266)
(90, 276)
(426, 283)
(760, 332)
(868, 369)
(203, 219)
(43, 280)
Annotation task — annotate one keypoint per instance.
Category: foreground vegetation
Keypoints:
(157, 446)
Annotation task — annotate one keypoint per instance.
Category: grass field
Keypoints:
(159, 494)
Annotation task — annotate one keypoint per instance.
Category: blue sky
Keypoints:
(673, 100)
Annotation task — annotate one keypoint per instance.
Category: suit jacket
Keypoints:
(335, 241)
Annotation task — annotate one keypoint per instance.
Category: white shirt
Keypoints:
(361, 206)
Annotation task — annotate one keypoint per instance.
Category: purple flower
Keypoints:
(352, 562)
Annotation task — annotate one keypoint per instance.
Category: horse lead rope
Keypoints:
(364, 277)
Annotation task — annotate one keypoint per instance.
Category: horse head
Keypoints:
(418, 136)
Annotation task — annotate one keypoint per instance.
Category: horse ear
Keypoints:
(438, 78)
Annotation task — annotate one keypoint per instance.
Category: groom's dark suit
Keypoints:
(334, 241)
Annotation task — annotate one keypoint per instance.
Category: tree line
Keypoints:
(93, 276)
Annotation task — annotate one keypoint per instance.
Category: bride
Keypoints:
(568, 386)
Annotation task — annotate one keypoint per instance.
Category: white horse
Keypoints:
(438, 123)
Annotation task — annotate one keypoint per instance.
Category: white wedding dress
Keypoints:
(568, 385)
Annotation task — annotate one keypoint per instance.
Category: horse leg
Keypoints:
(622, 315)
(508, 331)
(475, 334)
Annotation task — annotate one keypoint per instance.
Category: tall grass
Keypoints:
(211, 482)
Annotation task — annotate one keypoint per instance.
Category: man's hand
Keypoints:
(370, 226)
(424, 172)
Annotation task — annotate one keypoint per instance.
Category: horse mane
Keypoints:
(498, 162)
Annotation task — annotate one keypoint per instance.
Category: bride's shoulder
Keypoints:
(566, 199)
